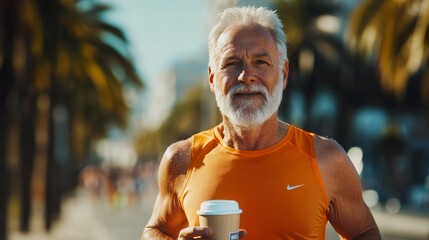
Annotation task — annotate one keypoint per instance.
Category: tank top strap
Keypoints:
(302, 140)
(202, 142)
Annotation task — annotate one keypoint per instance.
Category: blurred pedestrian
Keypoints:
(288, 182)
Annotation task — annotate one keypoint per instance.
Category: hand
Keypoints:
(201, 233)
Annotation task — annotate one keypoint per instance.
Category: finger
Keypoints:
(242, 233)
(191, 232)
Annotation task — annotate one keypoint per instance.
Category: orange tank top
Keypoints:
(279, 189)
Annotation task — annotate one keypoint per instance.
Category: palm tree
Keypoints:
(393, 34)
(65, 56)
(89, 81)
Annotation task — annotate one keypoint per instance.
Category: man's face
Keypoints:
(248, 80)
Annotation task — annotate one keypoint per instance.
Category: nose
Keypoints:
(246, 75)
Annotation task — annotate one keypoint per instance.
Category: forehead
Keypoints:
(253, 37)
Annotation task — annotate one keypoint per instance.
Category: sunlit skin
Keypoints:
(249, 55)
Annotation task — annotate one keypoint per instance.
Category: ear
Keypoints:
(285, 72)
(211, 79)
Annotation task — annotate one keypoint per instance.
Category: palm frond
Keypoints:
(393, 33)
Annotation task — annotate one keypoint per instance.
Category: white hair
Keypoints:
(245, 16)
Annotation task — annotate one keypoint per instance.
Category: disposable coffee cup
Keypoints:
(222, 216)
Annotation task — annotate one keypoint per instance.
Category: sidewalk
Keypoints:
(402, 226)
(84, 219)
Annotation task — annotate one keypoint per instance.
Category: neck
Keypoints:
(263, 136)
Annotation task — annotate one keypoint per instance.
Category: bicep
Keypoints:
(347, 212)
(168, 215)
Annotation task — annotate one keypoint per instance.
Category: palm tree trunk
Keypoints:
(8, 24)
(49, 11)
(49, 180)
(6, 83)
(27, 134)
(53, 171)
(4, 174)
(27, 150)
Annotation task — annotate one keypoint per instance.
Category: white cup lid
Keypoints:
(219, 207)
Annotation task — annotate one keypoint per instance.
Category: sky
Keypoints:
(160, 33)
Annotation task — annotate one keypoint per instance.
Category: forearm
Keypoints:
(371, 234)
(151, 233)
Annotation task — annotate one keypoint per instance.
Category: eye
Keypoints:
(231, 63)
(261, 62)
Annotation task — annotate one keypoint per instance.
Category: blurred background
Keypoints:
(93, 91)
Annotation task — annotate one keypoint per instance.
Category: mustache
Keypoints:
(246, 89)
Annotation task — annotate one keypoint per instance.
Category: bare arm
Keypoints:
(347, 213)
(168, 217)
(168, 220)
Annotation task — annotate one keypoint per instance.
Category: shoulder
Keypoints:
(174, 164)
(330, 152)
(328, 149)
(335, 166)
(178, 150)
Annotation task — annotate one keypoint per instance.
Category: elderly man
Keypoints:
(288, 182)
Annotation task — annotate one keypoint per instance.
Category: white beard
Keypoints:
(248, 114)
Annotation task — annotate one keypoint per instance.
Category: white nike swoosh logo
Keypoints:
(292, 187)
